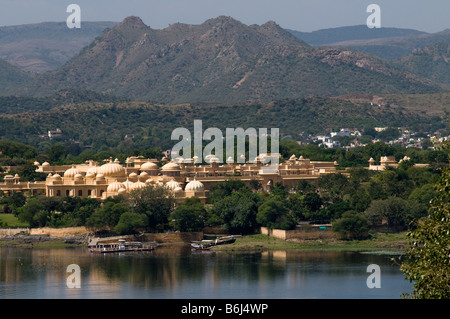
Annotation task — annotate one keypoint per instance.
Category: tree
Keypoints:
(27, 212)
(15, 200)
(130, 223)
(428, 262)
(397, 212)
(352, 225)
(238, 212)
(56, 152)
(312, 201)
(334, 184)
(107, 215)
(153, 201)
(226, 188)
(190, 215)
(424, 194)
(273, 213)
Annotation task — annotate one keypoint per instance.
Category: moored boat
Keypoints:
(207, 244)
(121, 246)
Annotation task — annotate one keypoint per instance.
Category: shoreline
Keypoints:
(380, 242)
(391, 242)
(42, 241)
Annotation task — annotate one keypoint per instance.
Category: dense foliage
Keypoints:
(428, 255)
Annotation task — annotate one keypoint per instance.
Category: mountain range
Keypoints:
(219, 61)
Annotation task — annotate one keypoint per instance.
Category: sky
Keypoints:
(300, 15)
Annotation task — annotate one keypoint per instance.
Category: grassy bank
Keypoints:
(20, 243)
(392, 242)
(12, 221)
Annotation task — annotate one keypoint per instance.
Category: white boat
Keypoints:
(121, 246)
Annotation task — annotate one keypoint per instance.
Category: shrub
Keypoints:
(352, 225)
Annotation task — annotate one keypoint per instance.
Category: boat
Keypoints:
(207, 244)
(226, 239)
(202, 244)
(121, 246)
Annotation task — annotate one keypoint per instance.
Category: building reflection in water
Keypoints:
(178, 272)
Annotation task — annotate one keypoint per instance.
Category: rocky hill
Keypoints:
(221, 60)
(431, 62)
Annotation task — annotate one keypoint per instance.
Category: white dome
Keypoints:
(194, 186)
(138, 185)
(46, 163)
(148, 166)
(93, 170)
(144, 176)
(172, 184)
(128, 185)
(115, 187)
(112, 169)
(56, 176)
(171, 167)
(71, 172)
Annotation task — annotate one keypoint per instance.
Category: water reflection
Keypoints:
(178, 272)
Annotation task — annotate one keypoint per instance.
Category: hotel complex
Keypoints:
(184, 178)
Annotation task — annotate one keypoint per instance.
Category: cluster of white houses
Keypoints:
(184, 178)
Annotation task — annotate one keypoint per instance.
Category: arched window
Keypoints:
(80, 193)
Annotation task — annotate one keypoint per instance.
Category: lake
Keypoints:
(176, 272)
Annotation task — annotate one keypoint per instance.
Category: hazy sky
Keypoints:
(301, 15)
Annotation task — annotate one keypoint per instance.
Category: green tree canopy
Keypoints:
(130, 223)
(190, 215)
(273, 213)
(428, 254)
(238, 212)
(107, 215)
(352, 225)
(154, 201)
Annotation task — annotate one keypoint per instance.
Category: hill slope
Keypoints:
(139, 124)
(394, 48)
(431, 62)
(221, 60)
(46, 46)
(11, 76)
(351, 33)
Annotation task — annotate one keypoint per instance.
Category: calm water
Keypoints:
(178, 272)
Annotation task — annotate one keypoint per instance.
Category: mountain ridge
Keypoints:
(221, 60)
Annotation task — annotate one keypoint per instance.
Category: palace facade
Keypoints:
(184, 178)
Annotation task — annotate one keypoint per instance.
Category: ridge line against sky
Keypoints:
(300, 15)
